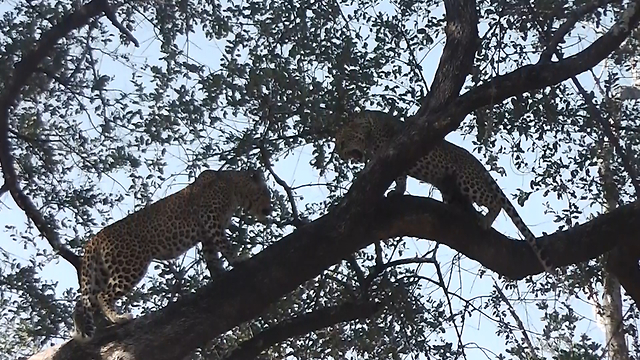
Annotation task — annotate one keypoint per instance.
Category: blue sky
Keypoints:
(295, 170)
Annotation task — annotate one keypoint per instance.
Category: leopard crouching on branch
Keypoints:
(118, 256)
(367, 133)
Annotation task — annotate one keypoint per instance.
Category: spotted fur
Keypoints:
(451, 169)
(118, 256)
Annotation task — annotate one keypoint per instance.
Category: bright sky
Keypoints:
(296, 170)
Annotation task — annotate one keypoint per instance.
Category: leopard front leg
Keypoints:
(212, 259)
(216, 241)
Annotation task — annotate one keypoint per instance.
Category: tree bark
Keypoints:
(611, 309)
(246, 291)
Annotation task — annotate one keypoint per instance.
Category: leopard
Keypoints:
(118, 256)
(461, 178)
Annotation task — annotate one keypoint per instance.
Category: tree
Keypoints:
(332, 279)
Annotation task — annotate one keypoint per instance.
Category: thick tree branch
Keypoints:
(624, 265)
(23, 70)
(247, 290)
(303, 324)
(457, 56)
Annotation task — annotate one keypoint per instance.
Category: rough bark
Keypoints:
(246, 291)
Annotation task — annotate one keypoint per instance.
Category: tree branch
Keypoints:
(563, 30)
(457, 55)
(23, 70)
(303, 324)
(608, 132)
(297, 222)
(421, 136)
(244, 292)
(624, 265)
(111, 15)
(515, 316)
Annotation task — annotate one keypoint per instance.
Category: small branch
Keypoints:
(606, 128)
(379, 256)
(357, 269)
(111, 15)
(591, 108)
(445, 290)
(303, 324)
(297, 222)
(515, 316)
(379, 269)
(23, 70)
(563, 30)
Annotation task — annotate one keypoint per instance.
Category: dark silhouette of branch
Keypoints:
(111, 15)
(297, 222)
(627, 161)
(380, 268)
(515, 316)
(301, 325)
(624, 265)
(23, 70)
(591, 108)
(563, 30)
(247, 290)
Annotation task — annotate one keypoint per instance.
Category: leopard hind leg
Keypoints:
(90, 285)
(122, 279)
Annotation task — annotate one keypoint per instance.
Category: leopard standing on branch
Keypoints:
(118, 256)
(367, 133)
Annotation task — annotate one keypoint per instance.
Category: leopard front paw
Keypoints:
(240, 258)
(124, 318)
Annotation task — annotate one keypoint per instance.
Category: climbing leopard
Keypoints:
(367, 133)
(118, 256)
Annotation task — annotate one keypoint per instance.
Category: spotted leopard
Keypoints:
(451, 169)
(118, 256)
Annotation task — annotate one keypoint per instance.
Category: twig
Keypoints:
(445, 290)
(297, 222)
(379, 269)
(356, 268)
(517, 320)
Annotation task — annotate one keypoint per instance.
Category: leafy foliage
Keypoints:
(102, 127)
